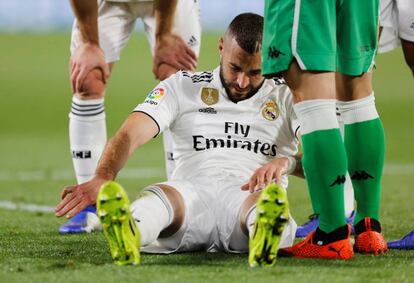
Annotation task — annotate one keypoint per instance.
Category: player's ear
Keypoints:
(221, 45)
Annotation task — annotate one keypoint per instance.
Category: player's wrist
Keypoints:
(291, 165)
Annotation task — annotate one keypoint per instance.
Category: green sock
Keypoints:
(365, 147)
(324, 162)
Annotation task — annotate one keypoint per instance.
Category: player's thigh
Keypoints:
(357, 35)
(231, 203)
(187, 24)
(115, 22)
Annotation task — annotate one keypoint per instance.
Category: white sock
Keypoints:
(153, 213)
(251, 220)
(87, 135)
(358, 110)
(348, 196)
(348, 189)
(316, 114)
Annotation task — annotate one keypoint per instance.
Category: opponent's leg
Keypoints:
(365, 146)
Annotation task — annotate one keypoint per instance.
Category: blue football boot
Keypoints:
(313, 223)
(85, 221)
(406, 243)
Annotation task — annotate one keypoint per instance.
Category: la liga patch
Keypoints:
(155, 96)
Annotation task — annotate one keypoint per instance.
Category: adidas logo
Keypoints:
(340, 179)
(361, 175)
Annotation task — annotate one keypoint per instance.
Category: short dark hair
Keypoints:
(247, 30)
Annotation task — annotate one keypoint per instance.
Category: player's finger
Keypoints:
(68, 206)
(252, 183)
(105, 72)
(78, 208)
(268, 177)
(261, 179)
(191, 53)
(80, 79)
(66, 191)
(278, 176)
(245, 187)
(73, 78)
(187, 62)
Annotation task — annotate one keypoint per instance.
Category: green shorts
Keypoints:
(322, 35)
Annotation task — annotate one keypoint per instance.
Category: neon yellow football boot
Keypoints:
(272, 216)
(112, 207)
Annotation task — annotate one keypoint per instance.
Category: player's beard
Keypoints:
(234, 96)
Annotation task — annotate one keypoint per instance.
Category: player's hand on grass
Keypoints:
(263, 176)
(172, 50)
(86, 57)
(78, 197)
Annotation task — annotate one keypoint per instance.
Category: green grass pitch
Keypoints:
(35, 165)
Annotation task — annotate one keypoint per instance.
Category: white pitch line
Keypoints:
(141, 173)
(68, 174)
(26, 207)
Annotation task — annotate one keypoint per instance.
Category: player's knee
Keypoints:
(178, 206)
(93, 86)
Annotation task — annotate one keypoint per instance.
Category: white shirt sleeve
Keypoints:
(161, 104)
(293, 119)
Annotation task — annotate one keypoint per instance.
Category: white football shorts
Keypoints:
(212, 220)
(397, 21)
(116, 21)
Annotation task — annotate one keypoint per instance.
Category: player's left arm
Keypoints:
(170, 49)
(137, 130)
(273, 172)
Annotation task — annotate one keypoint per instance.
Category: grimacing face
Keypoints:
(240, 71)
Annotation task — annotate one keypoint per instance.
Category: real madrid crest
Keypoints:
(270, 111)
(209, 95)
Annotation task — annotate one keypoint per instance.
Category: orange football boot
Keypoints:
(341, 249)
(369, 240)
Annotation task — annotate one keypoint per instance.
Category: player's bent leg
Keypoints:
(159, 212)
(272, 214)
(87, 135)
(113, 208)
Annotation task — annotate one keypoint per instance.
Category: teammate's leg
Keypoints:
(87, 124)
(408, 49)
(187, 25)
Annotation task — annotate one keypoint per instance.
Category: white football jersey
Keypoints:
(213, 134)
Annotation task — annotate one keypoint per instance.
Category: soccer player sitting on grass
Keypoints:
(234, 132)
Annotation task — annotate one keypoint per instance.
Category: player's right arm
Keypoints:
(88, 55)
(137, 130)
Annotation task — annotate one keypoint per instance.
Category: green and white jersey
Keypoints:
(213, 134)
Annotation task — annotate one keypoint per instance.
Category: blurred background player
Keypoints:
(100, 32)
(325, 50)
(397, 27)
(234, 131)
